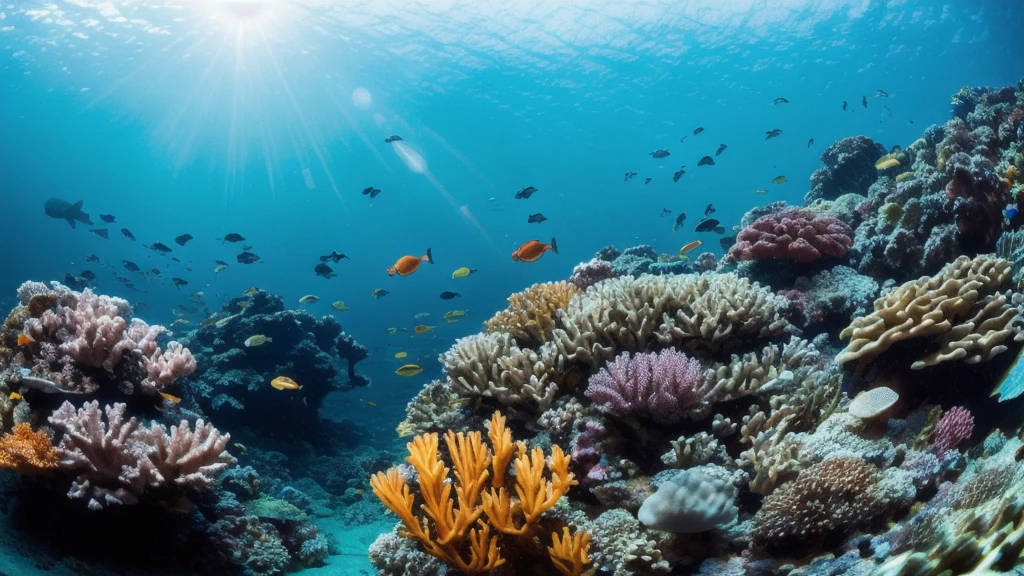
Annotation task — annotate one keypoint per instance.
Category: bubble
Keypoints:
(361, 97)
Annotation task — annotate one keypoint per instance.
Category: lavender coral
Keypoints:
(955, 426)
(586, 274)
(117, 461)
(665, 387)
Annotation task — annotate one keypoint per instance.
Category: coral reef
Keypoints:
(849, 169)
(232, 383)
(793, 234)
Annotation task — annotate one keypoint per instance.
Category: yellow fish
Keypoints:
(224, 321)
(285, 383)
(309, 299)
(369, 403)
(462, 272)
(905, 176)
(241, 448)
(220, 268)
(688, 247)
(15, 396)
(339, 305)
(179, 321)
(400, 355)
(257, 340)
(779, 180)
(251, 291)
(170, 398)
(409, 370)
(454, 314)
(423, 328)
(886, 162)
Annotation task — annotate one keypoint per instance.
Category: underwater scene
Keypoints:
(522, 287)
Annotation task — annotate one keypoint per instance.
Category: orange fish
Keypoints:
(688, 247)
(408, 264)
(170, 397)
(285, 383)
(533, 250)
(25, 339)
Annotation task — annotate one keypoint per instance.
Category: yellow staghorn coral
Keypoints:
(27, 452)
(530, 316)
(569, 553)
(453, 529)
(960, 309)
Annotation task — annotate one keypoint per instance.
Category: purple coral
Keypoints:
(116, 461)
(665, 387)
(586, 274)
(955, 426)
(86, 334)
(795, 234)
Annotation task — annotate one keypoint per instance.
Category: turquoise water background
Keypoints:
(252, 117)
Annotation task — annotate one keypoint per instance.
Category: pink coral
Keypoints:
(117, 461)
(665, 387)
(795, 234)
(955, 426)
(586, 274)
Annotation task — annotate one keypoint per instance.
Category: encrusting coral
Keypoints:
(960, 312)
(27, 452)
(453, 530)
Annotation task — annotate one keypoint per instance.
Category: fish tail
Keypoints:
(554, 245)
(79, 215)
(429, 258)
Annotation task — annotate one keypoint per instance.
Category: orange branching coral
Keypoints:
(27, 452)
(446, 529)
(569, 553)
(531, 314)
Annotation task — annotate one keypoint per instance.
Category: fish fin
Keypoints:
(554, 245)
(71, 222)
(77, 213)
(430, 258)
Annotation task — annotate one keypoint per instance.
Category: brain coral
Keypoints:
(795, 234)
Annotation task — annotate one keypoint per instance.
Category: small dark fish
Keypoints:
(911, 121)
(706, 161)
(64, 210)
(864, 101)
(536, 218)
(629, 176)
(324, 271)
(155, 271)
(772, 134)
(334, 256)
(721, 148)
(844, 105)
(183, 239)
(92, 258)
(246, 258)
(895, 149)
(371, 191)
(76, 282)
(127, 234)
(220, 262)
(108, 218)
(709, 210)
(665, 212)
(175, 258)
(647, 181)
(525, 193)
(101, 232)
(88, 275)
(698, 130)
(246, 248)
(719, 230)
(179, 282)
(707, 225)
(232, 237)
(726, 242)
(683, 138)
(881, 94)
(678, 174)
(130, 266)
(679, 221)
(374, 192)
(810, 142)
(446, 295)
(159, 247)
(392, 138)
(780, 100)
(662, 153)
(379, 293)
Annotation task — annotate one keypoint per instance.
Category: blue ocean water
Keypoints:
(267, 118)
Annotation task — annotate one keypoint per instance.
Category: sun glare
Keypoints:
(242, 12)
